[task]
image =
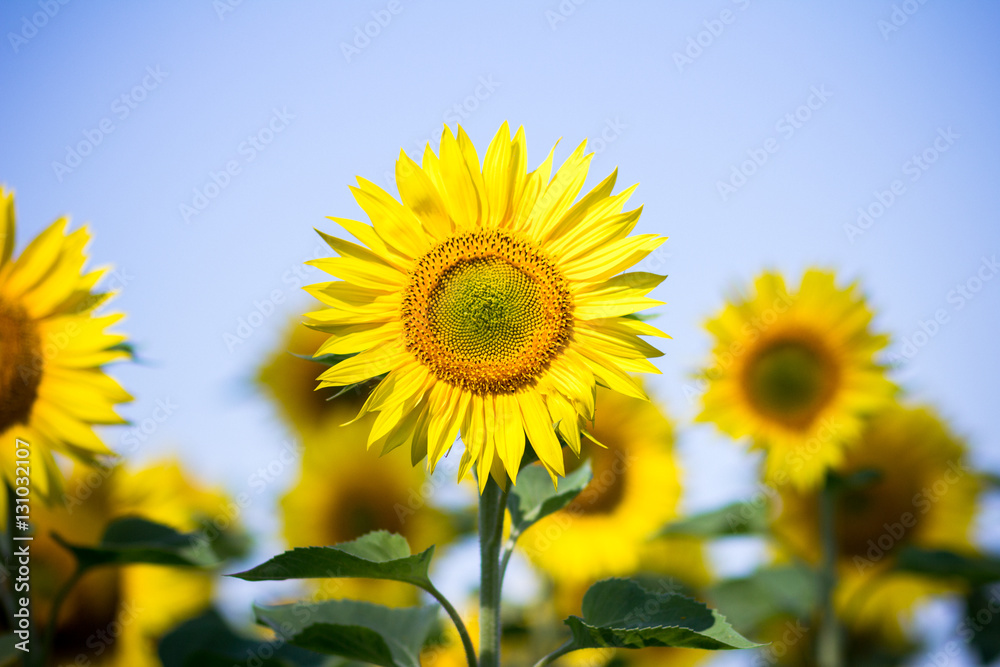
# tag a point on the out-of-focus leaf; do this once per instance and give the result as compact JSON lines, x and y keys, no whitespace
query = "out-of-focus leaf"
{"x":354,"y":630}
{"x":533,"y":497}
{"x":765,"y":594}
{"x":985,"y":639}
{"x":208,"y":641}
{"x":975,"y":569}
{"x":9,"y":654}
{"x":619,"y":613}
{"x":377,"y":555}
{"x":136,"y":540}
{"x":745,"y":518}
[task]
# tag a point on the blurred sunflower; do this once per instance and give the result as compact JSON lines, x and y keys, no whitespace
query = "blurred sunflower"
{"x":489,"y":300}
{"x":53,"y":389}
{"x":114,"y":616}
{"x":636,"y":489}
{"x":796,"y":372}
{"x":345,"y":491}
{"x":925,"y":496}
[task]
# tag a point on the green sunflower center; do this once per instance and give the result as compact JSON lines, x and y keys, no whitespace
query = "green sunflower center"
{"x":486,"y":311}
{"x":790,"y":381}
{"x":20,"y":360}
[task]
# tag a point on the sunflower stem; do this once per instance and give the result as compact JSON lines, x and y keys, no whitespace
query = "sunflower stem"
{"x":558,"y":653}
{"x":828,"y":645}
{"x":7,"y":589}
{"x":492,"y":505}
{"x":48,"y":639}
{"x":463,"y":632}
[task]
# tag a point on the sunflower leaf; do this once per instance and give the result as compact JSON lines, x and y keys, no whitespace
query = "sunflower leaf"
{"x":946,"y":564}
{"x":208,"y":641}
{"x":753,"y":600}
{"x":377,"y":555}
{"x":743,"y":518}
{"x":533,"y":498}
{"x":134,"y":539}
{"x":355,"y":630}
{"x":986,"y":637}
{"x":620,"y":613}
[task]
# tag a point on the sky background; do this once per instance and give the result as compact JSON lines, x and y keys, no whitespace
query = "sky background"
{"x":677,"y":97}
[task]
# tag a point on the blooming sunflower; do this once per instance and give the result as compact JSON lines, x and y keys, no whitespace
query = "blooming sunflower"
{"x":114,"y":616}
{"x":796,"y":372}
{"x":925,"y":497}
{"x":636,"y":489}
{"x":53,"y":389}
{"x":490,"y":302}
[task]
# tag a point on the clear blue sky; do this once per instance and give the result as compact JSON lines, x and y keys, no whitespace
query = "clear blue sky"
{"x":838,"y":97}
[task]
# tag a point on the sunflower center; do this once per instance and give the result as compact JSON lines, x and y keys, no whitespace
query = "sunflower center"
{"x":790,"y":381}
{"x":487,"y":312}
{"x":20,"y":356}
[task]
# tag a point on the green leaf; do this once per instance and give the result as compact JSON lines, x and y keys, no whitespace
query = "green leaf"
{"x":745,"y":518}
{"x":355,"y":630}
{"x":534,"y":498}
{"x":136,"y":540}
{"x":208,"y":641}
{"x":377,"y":555}
{"x":975,"y":569}
{"x":986,"y":638}
{"x":751,"y":601}
{"x":619,"y":613}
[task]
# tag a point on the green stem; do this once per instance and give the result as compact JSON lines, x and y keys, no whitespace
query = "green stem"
{"x":50,"y":628}
{"x":508,"y":551}
{"x":828,"y":647}
{"x":558,"y":653}
{"x":492,"y":505}
{"x":463,"y":632}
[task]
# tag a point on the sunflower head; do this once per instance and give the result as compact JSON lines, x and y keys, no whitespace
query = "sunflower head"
{"x":922,"y":495}
{"x":796,"y":372}
{"x":490,"y":301}
{"x":53,"y":347}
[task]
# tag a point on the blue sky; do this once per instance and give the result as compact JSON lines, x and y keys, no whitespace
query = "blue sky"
{"x":210,"y":137}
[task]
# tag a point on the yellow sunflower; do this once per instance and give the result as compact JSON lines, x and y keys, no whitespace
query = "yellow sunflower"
{"x":52,"y":349}
{"x":490,"y":301}
{"x":925,"y":497}
{"x":797,"y":373}
{"x":114,"y":616}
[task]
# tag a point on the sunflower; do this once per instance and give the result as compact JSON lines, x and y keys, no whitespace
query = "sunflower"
{"x":114,"y":616}
{"x":52,"y":349}
{"x":490,"y":302}
{"x":797,"y":373}
{"x":925,"y":496}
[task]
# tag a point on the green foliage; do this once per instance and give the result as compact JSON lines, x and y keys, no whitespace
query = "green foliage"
{"x":377,"y":555}
{"x":751,"y":601}
{"x":620,"y":613}
{"x":533,"y":497}
{"x":136,"y":540}
{"x":746,"y":518}
{"x":975,"y":569}
{"x":355,"y":630}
